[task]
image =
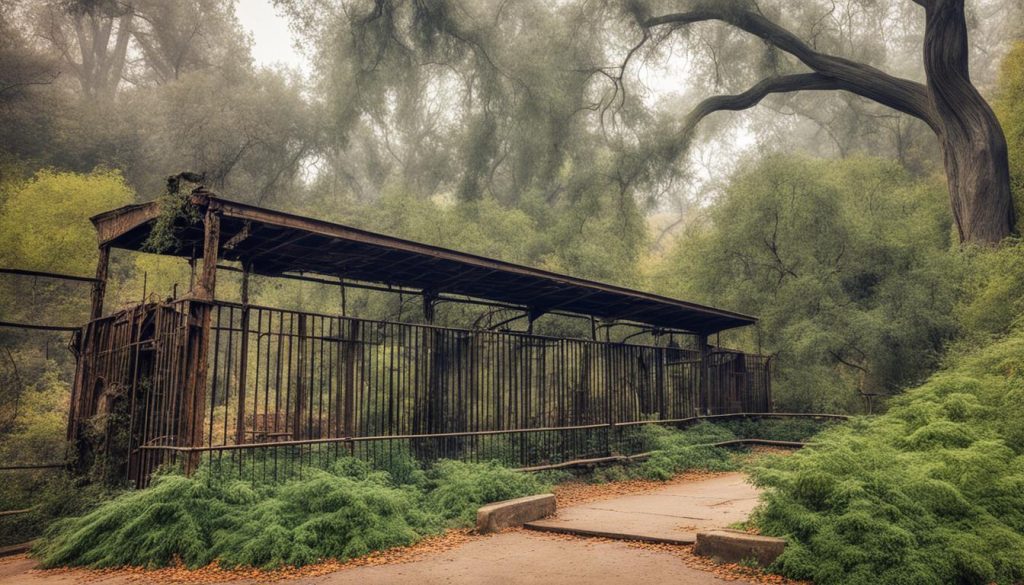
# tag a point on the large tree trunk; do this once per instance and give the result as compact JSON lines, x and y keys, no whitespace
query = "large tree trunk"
{"x":978,"y":177}
{"x":973,"y":144}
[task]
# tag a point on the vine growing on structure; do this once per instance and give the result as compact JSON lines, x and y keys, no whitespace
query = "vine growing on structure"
{"x":174,"y":211}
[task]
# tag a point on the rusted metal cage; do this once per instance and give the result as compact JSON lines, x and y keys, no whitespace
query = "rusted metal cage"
{"x":265,"y":392}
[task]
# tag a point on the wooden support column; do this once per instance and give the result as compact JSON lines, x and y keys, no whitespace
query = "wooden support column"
{"x":532,"y":315}
{"x":99,"y":287}
{"x":608,"y":388}
{"x":243,"y":361}
{"x":350,"y":348}
{"x":207,"y":285}
{"x":302,"y":363}
{"x":436,"y":364}
{"x":705,"y":375}
{"x":429,"y":301}
{"x":661,"y":358}
{"x":79,"y":394}
{"x":201,"y":309}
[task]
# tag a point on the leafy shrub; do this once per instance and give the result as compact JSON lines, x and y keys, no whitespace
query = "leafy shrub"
{"x":994,"y":299}
{"x":776,"y":429}
{"x":930,"y":492}
{"x":342,"y":512}
{"x":50,"y":494}
{"x":455,"y":489}
{"x":846,"y":263}
{"x":676,"y":451}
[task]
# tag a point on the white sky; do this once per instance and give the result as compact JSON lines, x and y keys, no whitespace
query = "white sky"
{"x":273,"y":42}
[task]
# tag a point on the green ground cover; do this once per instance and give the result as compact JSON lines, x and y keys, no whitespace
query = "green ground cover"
{"x":930,"y":492}
{"x":343,"y":511}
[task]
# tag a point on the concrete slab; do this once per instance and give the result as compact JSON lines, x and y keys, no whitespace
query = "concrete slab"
{"x":673,"y":514}
{"x":510,"y":513}
{"x":733,"y":546}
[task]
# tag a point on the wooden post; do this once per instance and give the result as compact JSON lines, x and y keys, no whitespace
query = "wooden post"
{"x":85,"y":342}
{"x":99,"y":287}
{"x":433,"y":351}
{"x":207,"y":285}
{"x":609,"y":401}
{"x":705,"y":373}
{"x":429,"y":298}
{"x":350,"y":348}
{"x":300,"y":380}
{"x":201,"y":309}
{"x":243,"y":363}
{"x":661,"y":356}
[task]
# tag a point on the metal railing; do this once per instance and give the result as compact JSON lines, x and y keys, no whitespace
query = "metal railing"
{"x":285,"y":390}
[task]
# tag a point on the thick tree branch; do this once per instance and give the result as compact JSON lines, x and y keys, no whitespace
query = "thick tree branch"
{"x":751,"y":97}
{"x":900,"y":94}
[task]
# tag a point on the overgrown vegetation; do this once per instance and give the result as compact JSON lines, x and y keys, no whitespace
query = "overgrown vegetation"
{"x":342,"y":512}
{"x":930,"y":492}
{"x":1009,"y":106}
{"x":848,"y":265}
{"x":47,"y":495}
{"x":674,"y":451}
{"x":777,"y":429}
{"x":345,"y":510}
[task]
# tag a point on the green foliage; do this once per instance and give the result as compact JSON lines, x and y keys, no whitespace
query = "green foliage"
{"x":930,"y":492}
{"x":675,"y":451}
{"x":33,"y":422}
{"x":993,"y":302}
{"x":455,"y":490}
{"x":174,"y":211}
{"x":776,"y":429}
{"x":341,"y":512}
{"x":1009,"y":107}
{"x":846,"y":263}
{"x":601,"y":237}
{"x":50,"y":494}
{"x":44,"y":225}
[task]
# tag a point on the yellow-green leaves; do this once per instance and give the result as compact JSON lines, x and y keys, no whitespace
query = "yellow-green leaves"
{"x":44,"y":224}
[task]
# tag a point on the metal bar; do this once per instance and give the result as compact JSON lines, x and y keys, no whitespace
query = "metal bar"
{"x":243,"y":359}
{"x":332,"y":385}
{"x":642,"y":456}
{"x":38,"y":327}
{"x":20,"y":272}
{"x":33,"y":466}
{"x":373,"y":438}
{"x":99,"y":285}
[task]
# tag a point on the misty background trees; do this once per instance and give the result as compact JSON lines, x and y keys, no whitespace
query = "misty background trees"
{"x":549,"y":134}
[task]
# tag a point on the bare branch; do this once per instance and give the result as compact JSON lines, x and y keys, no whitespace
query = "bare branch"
{"x":900,"y":94}
{"x":751,"y":97}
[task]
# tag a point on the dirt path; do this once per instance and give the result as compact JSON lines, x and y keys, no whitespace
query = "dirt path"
{"x":517,"y":556}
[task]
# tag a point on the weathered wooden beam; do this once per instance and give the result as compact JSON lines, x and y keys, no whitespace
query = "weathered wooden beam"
{"x":243,"y":361}
{"x":705,"y":374}
{"x":207,"y":286}
{"x":350,"y":349}
{"x":205,"y":292}
{"x":116,"y":223}
{"x":99,"y":285}
{"x":240,"y":237}
{"x":20,"y":272}
{"x":302,"y":359}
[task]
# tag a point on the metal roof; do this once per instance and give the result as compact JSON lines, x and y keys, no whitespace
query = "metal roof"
{"x":278,"y":243}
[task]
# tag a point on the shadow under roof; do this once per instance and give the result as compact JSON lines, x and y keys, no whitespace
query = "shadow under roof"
{"x":278,"y":243}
